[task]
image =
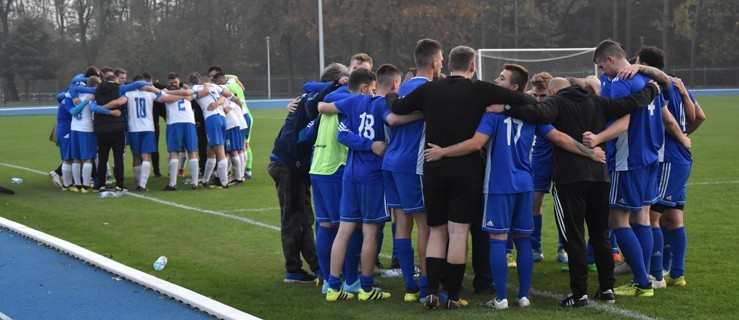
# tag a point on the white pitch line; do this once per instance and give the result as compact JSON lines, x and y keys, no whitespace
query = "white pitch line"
{"x":4,"y":317}
{"x":253,"y":209}
{"x":711,"y":182}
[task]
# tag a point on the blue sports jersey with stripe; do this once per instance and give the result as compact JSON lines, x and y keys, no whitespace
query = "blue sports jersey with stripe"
{"x":405,"y":150}
{"x":508,"y":168}
{"x":673,"y":151}
{"x":362,"y":125}
{"x":637,"y":147}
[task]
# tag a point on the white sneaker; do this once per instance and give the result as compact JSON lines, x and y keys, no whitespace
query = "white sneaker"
{"x":499,"y":305}
{"x":622,"y":268}
{"x":524,"y":302}
{"x":55,"y":179}
{"x":562,"y":256}
{"x":661,"y":284}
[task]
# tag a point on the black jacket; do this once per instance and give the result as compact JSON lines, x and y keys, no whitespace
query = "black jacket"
{"x":574,"y":111}
{"x":103,"y":124}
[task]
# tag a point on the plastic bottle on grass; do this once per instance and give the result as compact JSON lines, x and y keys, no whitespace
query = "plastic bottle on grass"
{"x":16,"y":180}
{"x":160,"y":263}
{"x":111,"y":194}
{"x":392,"y":273}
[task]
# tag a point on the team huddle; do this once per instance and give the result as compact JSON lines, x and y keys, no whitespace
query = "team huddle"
{"x":100,"y":112}
{"x":454,"y":156}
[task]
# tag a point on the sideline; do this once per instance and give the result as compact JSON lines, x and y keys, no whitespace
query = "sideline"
{"x":547,"y":294}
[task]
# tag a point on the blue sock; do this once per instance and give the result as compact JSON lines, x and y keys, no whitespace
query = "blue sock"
{"x":614,"y":242}
{"x":366,"y":282}
{"x":646,"y":241}
{"x":591,"y":254}
{"x":353,"y":253}
{"x":334,"y":283}
{"x":395,"y":251}
{"x":666,"y":252}
{"x":380,"y":238}
{"x":655,"y":265}
{"x":324,"y":241}
{"x":525,"y":268}
{"x":499,"y":266}
{"x":679,"y":244}
{"x":424,"y":284}
{"x":509,"y":244}
{"x":405,"y":258}
{"x":536,"y":236}
{"x":632,"y":253}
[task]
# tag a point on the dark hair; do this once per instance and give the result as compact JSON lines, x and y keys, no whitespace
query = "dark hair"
{"x":426,"y":50}
{"x":92,"y":71}
{"x":111,"y":78}
{"x":386,"y":73}
{"x":652,"y":56}
{"x":105,"y":69}
{"x":359,"y":77}
{"x":138,"y":77}
{"x":216,"y":68}
{"x":118,"y":71}
{"x":608,"y":48}
{"x":333,"y":72}
{"x":147,"y":76}
{"x":363,"y":57}
{"x":219,"y":75}
{"x":93,"y":81}
{"x":193,"y":78}
{"x":460,"y":58}
{"x":519,"y":75}
{"x":172,"y":75}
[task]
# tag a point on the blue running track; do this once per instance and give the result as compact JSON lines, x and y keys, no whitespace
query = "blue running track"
{"x":37,"y":282}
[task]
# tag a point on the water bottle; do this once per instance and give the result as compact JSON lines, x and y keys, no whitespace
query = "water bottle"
{"x":187,"y":181}
{"x":160,"y":263}
{"x":111,"y":194}
{"x":392,"y":273}
{"x":16,"y":180}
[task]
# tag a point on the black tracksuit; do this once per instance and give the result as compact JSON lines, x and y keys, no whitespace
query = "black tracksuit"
{"x":110,"y":132}
{"x":581,"y":186}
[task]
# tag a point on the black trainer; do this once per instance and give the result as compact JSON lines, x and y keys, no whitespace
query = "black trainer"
{"x":606,"y":296}
{"x":170,"y":188}
{"x":574,"y":302}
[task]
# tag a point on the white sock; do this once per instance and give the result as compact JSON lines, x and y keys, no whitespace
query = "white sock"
{"x":87,"y":174}
{"x":76,"y":167}
{"x":66,"y":174}
{"x":243,"y":161}
{"x":210,"y":164}
{"x":174,"y":164}
{"x":136,"y":175}
{"x":145,"y":170}
{"x":223,"y":171}
{"x":194,"y":171}
{"x":182,"y":158}
{"x":238,"y":172}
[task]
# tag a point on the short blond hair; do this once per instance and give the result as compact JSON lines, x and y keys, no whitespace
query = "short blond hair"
{"x":540,"y":81}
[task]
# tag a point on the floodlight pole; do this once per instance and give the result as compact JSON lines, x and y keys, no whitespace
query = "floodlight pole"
{"x":269,"y":72}
{"x":321,"y":61}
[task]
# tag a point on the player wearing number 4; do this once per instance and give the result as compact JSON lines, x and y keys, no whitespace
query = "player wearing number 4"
{"x":362,"y":198}
{"x":508,"y":191}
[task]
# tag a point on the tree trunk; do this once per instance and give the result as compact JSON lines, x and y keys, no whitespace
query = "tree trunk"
{"x":665,"y":27}
{"x":10,"y":90}
{"x":693,"y":40}
{"x":614,"y":36}
{"x":628,"y":45}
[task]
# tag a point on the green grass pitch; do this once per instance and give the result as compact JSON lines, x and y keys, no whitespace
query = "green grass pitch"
{"x":241,"y":264}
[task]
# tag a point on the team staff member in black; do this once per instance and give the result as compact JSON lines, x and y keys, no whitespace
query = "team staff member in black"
{"x":581,"y":186}
{"x":452,"y":187}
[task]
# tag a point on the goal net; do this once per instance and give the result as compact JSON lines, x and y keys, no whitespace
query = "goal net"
{"x":559,"y":62}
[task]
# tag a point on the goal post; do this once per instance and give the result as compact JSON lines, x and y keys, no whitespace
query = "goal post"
{"x":559,"y":62}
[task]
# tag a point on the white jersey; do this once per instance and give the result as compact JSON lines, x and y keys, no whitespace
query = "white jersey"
{"x":140,"y":110}
{"x":238,"y":116}
{"x":205,"y":101}
{"x":232,"y":119}
{"x":180,"y":112}
{"x":83,"y":121}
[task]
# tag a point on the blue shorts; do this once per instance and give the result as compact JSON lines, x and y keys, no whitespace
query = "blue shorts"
{"x":363,"y":203}
{"x":327,"y":197}
{"x":142,"y":142}
{"x":84,"y":145}
{"x":630,"y":190}
{"x":249,"y":120}
{"x":215,"y":130}
{"x":404,"y":191}
{"x":182,"y":135}
{"x":542,"y":171}
{"x":234,"y":140}
{"x":509,"y":212}
{"x":65,"y":146}
{"x":672,"y":183}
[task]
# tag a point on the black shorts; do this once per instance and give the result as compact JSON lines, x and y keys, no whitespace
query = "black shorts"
{"x":455,"y":199}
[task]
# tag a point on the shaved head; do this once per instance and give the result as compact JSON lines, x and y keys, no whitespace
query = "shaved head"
{"x":593,"y":84}
{"x":557,"y":84}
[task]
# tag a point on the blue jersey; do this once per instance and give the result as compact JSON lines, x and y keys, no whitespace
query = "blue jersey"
{"x":673,"y":151}
{"x":64,"y":118}
{"x":508,"y":168}
{"x":605,"y":85}
{"x":637,"y":147}
{"x":542,"y":149}
{"x":405,"y":150}
{"x":362,"y":125}
{"x":340,"y":93}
